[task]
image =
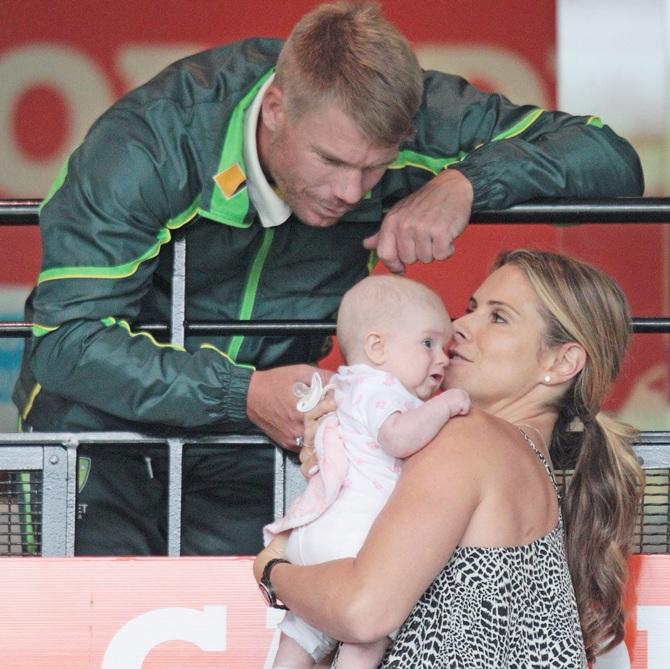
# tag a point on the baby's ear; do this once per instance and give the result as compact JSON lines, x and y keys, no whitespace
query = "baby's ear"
{"x":374,"y":348}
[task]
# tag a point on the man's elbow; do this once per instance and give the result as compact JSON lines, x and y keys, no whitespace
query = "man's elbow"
{"x":636,"y":180}
{"x":50,"y":369}
{"x":633,"y":180}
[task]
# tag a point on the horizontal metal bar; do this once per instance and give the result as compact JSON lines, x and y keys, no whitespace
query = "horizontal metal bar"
{"x":651,"y":325}
{"x":24,"y":456}
{"x":19,"y":212}
{"x":654,"y":455}
{"x":23,"y":329}
{"x":9,"y":329}
{"x":69,"y":439}
{"x":274,"y":327}
{"x":610,"y":210}
{"x":15,"y":329}
{"x":654,"y":438}
{"x":78,"y":438}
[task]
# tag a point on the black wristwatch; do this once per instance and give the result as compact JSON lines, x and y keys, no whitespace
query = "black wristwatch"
{"x":266,"y":587}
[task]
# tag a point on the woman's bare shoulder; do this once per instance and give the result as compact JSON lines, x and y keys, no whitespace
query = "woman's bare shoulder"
{"x":465,"y":440}
{"x":475,"y":430}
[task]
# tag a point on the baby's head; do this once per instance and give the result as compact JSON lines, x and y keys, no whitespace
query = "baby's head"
{"x":397,"y":325}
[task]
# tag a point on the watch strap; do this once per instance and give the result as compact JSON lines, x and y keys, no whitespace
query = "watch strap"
{"x":266,"y":585}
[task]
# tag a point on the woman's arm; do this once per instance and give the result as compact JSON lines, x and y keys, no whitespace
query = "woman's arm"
{"x":365,"y":598}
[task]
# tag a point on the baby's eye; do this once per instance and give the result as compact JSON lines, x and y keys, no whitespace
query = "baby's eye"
{"x":428,"y":343}
{"x":497,"y":317}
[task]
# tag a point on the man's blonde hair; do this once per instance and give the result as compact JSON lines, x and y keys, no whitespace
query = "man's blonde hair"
{"x":347,"y":54}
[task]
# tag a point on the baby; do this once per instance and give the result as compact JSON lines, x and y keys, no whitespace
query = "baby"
{"x":392,"y":332}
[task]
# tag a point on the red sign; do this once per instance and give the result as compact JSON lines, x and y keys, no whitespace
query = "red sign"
{"x":151,"y":613}
{"x":648,"y":607}
{"x":171,"y":613}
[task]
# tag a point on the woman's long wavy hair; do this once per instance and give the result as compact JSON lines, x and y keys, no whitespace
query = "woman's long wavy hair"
{"x":579,"y":303}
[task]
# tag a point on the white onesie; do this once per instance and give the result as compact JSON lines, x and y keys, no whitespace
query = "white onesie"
{"x":365,"y":398}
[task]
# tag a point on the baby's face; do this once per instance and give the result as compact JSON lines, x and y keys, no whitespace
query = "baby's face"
{"x":416,"y":350}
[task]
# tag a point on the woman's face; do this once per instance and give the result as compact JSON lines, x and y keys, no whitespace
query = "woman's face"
{"x":497,"y":353}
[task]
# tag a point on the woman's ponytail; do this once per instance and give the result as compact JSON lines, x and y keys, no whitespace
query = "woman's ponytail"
{"x":599,"y":511}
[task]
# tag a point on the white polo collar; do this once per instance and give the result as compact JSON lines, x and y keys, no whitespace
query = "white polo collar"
{"x":271,"y":208}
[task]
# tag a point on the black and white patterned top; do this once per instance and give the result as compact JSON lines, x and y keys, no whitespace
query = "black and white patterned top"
{"x":496,"y":608}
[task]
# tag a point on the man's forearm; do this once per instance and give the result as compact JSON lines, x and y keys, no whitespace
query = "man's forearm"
{"x":577,"y":160}
{"x":132,"y":377}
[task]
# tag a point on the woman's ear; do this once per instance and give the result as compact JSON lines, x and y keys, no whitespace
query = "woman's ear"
{"x":374,"y":348}
{"x":568,"y":360}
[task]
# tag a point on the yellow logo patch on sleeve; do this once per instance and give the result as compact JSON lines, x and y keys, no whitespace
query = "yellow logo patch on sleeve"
{"x":231,"y":180}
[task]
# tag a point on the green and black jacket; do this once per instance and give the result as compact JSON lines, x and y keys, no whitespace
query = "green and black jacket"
{"x":146,"y":169}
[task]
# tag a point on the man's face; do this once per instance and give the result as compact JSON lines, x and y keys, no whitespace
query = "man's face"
{"x":322,"y":163}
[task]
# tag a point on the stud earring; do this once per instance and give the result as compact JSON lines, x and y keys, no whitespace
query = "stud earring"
{"x":547,"y":379}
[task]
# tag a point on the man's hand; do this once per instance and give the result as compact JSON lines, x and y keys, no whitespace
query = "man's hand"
{"x":271,"y":403}
{"x":424,"y":225}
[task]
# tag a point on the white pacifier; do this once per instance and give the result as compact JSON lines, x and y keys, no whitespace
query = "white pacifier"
{"x":309,"y":395}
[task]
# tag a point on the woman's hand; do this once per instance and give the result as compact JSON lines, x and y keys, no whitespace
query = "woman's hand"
{"x":308,"y":463}
{"x":275,"y":549}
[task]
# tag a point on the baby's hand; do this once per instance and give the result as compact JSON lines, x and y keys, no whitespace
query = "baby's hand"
{"x":457,"y":400}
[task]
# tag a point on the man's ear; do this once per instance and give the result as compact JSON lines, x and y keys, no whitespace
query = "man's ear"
{"x":568,"y":360}
{"x":374,"y":348}
{"x":273,"y":108}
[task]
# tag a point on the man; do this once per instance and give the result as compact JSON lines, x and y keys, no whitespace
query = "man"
{"x":279,"y":180}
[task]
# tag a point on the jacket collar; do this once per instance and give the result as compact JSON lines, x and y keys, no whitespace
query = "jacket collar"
{"x":230,"y":202}
{"x":272,"y":210}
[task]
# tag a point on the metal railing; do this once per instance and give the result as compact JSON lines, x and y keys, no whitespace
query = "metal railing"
{"x":43,"y":465}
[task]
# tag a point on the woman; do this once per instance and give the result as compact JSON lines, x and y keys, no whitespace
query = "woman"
{"x":473,"y":530}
